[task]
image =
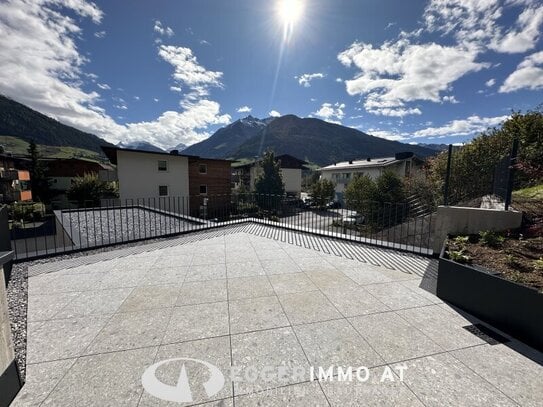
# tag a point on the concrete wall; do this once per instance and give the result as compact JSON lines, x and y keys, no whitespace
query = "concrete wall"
{"x":465,"y":221}
{"x":139,"y":176}
{"x":292,"y":178}
{"x":6,"y":345}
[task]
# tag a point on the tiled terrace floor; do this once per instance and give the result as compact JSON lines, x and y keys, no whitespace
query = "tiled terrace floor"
{"x":248,"y":301}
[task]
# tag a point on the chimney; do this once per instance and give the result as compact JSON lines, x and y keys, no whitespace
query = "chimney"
{"x":350,"y":161}
{"x":174,"y":152}
{"x":368,"y":159}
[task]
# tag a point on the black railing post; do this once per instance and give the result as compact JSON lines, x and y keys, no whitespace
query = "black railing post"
{"x":511,"y":173}
{"x":447,"y":177}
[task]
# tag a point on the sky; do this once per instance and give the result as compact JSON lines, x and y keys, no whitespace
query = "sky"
{"x":169,"y":72}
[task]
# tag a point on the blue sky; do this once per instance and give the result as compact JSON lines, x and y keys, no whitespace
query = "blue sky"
{"x":436,"y":71}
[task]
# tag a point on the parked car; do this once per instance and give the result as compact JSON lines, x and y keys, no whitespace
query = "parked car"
{"x":333,"y":205}
{"x":353,"y":219}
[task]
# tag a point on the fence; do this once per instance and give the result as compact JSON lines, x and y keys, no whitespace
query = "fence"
{"x":79,"y":227}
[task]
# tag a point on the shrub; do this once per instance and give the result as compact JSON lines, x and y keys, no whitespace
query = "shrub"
{"x":491,"y":239}
{"x":458,"y":256}
{"x":322,"y":192}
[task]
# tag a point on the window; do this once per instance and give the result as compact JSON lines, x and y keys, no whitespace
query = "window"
{"x":163,"y":190}
{"x":203,"y":189}
{"x":162,"y":165}
{"x":202,"y":168}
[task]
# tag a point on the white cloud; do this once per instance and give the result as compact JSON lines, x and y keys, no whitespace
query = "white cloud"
{"x":41,"y":66}
{"x":339,"y":80}
{"x":463,"y":127}
{"x":121,"y":106}
{"x":103,"y":86}
{"x":244,"y":109}
{"x":100,"y":34}
{"x":162,"y":29}
{"x":450,"y":99}
{"x":392,"y":74}
{"x":333,"y":113}
{"x":386,"y":134}
{"x":491,"y":82}
{"x":305,"y":79}
{"x":528,"y":75}
{"x":156,"y":100}
{"x":274,"y":113}
{"x":524,"y":36}
{"x":175,"y":89}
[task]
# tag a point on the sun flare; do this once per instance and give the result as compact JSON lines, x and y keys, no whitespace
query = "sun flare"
{"x":290,"y":11}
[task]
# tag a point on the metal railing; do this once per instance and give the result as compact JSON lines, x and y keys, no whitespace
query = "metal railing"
{"x":71,"y":227}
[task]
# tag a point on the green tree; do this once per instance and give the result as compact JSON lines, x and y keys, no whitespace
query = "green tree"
{"x":88,"y":190}
{"x":359,"y":192}
{"x":390,"y":188}
{"x":39,"y":183}
{"x":269,"y":185}
{"x":322,"y":192}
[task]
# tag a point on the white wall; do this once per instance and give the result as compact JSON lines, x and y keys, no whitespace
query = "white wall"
{"x":139,"y":176}
{"x":292,"y":178}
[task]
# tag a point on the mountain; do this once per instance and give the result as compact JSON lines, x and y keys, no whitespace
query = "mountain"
{"x":140,"y":145}
{"x":20,"y":121}
{"x":227,"y":140}
{"x":180,"y":147}
{"x":436,"y":147}
{"x":309,"y":139}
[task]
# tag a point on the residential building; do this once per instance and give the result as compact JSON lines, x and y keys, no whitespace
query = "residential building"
{"x":402,"y":164}
{"x":14,"y":179}
{"x":291,"y":172}
{"x":166,"y":180}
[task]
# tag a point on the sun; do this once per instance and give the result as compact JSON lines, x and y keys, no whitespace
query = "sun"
{"x":290,"y":11}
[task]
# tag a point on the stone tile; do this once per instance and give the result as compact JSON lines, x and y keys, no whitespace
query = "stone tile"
{"x":330,"y":279}
{"x":249,"y":287}
{"x":43,"y":284}
{"x":46,"y":306}
{"x":244,"y":255}
{"x":511,"y":372}
{"x":131,"y":330}
{"x":396,"y":296}
{"x":415,"y":286}
{"x":336,"y":343}
{"x":60,"y":283}
{"x":206,"y":272}
{"x":164,"y":276}
{"x":398,"y":275}
{"x":203,"y":259}
{"x":291,"y":283}
{"x":443,"y":327}
{"x":295,"y":395}
{"x":62,"y":338}
{"x":353,"y":301}
{"x":175,"y":261}
{"x":197,"y":322}
{"x":372,"y":392}
{"x":275,"y":348}
{"x":280,"y":267}
{"x":245,"y":269}
{"x":393,"y":338}
{"x":213,"y":350}
{"x":311,"y":306}
{"x":101,"y":302}
{"x":271,"y":254}
{"x":122,"y":278}
{"x":41,"y":379}
{"x":148,"y":297}
{"x":109,"y":379}
{"x":365,"y":276}
{"x":199,"y":292}
{"x":256,"y":313}
{"x":442,"y":380}
{"x":314,"y":263}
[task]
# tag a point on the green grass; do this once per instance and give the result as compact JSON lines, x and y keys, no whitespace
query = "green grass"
{"x":535,"y":192}
{"x":18,"y":146}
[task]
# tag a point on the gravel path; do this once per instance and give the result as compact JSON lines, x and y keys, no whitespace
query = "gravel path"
{"x":17,"y":307}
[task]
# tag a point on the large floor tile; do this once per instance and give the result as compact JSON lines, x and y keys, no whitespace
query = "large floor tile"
{"x":366,"y":275}
{"x":415,"y":285}
{"x":197,"y":322}
{"x":336,"y":343}
{"x":124,"y":278}
{"x":275,"y":351}
{"x":101,"y":302}
{"x":41,"y":379}
{"x":393,"y":338}
{"x":109,"y":379}
{"x":295,"y":395}
{"x":215,"y":351}
{"x":442,"y":380}
{"x":281,"y":266}
{"x":199,"y":292}
{"x":352,"y":301}
{"x":129,"y":330}
{"x":443,"y":327}
{"x":244,"y":269}
{"x":291,"y":283}
{"x":46,"y":306}
{"x":514,"y":374}
{"x":62,"y":338}
{"x":149,"y":297}
{"x":373,"y":392}
{"x":314,"y":263}
{"x":307,"y":307}
{"x":164,"y":276}
{"x":256,"y":313}
{"x":330,"y":279}
{"x":396,"y":296}
{"x":249,"y":287}
{"x":206,"y":272}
